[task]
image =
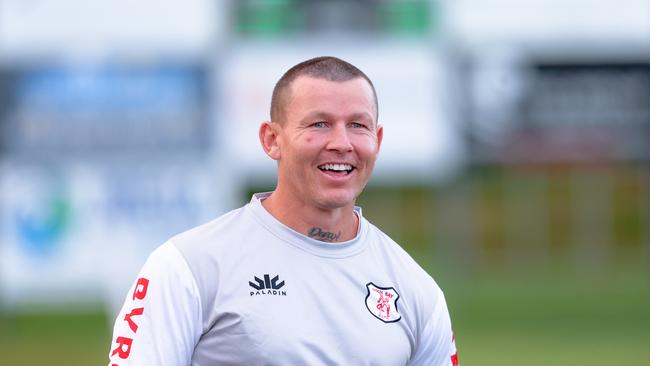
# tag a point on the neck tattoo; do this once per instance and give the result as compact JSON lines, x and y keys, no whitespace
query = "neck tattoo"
{"x":322,"y":235}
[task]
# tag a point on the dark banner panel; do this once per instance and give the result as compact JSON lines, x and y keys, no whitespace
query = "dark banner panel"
{"x":565,"y":112}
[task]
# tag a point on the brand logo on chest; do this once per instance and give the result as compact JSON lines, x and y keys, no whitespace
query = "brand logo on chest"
{"x":267,"y":286}
{"x":382,"y":303}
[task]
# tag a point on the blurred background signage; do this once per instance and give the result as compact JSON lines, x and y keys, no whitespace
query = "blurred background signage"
{"x":103,"y":109}
{"x":562,"y":111}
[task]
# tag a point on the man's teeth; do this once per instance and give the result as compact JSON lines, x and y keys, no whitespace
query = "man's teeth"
{"x":337,"y":167}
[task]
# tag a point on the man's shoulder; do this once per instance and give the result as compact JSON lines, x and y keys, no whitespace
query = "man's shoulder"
{"x":213,"y":233}
{"x":403,"y":263}
{"x":390,"y":246}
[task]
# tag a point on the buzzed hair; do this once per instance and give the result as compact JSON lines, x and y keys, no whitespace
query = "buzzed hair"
{"x":324,"y":67}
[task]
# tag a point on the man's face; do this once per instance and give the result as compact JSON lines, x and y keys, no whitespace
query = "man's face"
{"x":328,"y":141}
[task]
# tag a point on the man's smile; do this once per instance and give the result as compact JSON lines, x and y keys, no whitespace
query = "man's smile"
{"x":337,"y":169}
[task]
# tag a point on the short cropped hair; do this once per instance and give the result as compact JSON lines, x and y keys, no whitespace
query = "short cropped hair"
{"x":324,"y":67}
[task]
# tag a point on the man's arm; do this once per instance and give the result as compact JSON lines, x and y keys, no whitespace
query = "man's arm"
{"x":161,"y":320}
{"x":436,"y":345}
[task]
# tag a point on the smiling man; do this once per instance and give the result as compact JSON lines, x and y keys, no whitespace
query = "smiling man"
{"x":297,"y":276}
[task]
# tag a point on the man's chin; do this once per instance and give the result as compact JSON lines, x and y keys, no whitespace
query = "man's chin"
{"x":336,"y":201}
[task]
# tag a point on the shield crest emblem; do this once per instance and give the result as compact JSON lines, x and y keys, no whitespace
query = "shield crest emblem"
{"x":382,"y":303}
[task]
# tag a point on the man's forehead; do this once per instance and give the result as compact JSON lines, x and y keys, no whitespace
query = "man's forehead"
{"x":313,"y":81}
{"x":309,"y":84}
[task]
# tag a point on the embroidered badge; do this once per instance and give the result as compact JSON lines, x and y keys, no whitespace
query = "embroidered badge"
{"x":382,"y":303}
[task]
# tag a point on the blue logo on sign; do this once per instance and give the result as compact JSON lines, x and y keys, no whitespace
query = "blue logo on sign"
{"x":41,"y":228}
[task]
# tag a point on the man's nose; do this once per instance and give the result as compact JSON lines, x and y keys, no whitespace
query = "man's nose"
{"x":340,"y":139}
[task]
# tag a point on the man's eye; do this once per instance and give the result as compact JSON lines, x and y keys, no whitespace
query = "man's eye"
{"x":319,"y":124}
{"x":356,"y":125}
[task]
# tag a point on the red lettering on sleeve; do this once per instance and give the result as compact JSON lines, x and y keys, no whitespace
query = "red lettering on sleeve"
{"x":141,"y":288}
{"x":121,"y":351}
{"x":454,"y":357}
{"x":127,"y":317}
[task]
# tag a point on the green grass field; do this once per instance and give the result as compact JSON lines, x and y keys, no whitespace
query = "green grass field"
{"x":527,"y":319}
{"x":596,"y":319}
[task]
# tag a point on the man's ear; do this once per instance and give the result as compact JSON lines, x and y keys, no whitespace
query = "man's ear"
{"x":269,"y":136}
{"x":380,"y":136}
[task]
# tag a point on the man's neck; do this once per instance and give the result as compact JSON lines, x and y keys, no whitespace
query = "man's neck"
{"x":327,"y":225}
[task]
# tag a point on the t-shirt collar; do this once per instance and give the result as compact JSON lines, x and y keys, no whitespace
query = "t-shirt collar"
{"x":282,"y":231}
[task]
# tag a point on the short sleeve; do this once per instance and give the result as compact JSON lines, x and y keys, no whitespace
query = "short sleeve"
{"x":160,"y":321}
{"x":436,"y":345}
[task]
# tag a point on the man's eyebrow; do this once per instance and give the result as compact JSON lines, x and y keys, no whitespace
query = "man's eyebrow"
{"x":310,"y":117}
{"x":363,"y":116}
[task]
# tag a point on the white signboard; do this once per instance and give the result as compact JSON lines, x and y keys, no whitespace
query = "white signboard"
{"x":90,"y":27}
{"x":80,"y":233}
{"x":420,"y":141}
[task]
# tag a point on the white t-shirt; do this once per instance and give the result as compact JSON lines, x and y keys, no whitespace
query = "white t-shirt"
{"x":244,"y":289}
